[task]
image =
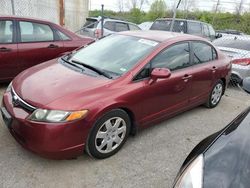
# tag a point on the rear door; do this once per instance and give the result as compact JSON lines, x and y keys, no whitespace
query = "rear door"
{"x":204,"y":70}
{"x":36,"y":43}
{"x":8,"y":50}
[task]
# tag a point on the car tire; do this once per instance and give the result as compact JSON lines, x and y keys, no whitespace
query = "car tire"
{"x":108,"y":134}
{"x":215,"y":95}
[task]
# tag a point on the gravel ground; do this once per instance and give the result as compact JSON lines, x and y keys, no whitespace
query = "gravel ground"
{"x":150,"y":159}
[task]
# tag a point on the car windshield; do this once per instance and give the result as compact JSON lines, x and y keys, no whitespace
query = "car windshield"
{"x":233,"y":43}
{"x":115,"y":54}
{"x":164,"y":25}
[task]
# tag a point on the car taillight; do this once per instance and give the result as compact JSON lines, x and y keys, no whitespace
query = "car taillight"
{"x":98,"y":33}
{"x":243,"y":62}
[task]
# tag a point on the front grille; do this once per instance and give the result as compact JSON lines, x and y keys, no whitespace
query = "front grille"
{"x":18,"y":102}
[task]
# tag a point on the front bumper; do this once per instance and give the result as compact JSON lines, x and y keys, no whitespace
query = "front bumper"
{"x":55,"y":141}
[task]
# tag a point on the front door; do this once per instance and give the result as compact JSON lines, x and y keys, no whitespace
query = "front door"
{"x":168,"y":96}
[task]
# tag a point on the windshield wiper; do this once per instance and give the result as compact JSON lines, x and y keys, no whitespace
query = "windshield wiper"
{"x":99,"y":71}
{"x":73,"y":64}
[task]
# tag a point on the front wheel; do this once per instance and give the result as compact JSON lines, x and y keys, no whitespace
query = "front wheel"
{"x":215,"y":95}
{"x":108,"y":134}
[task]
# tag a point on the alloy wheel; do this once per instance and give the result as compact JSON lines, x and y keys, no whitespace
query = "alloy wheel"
{"x":216,"y":94}
{"x":110,"y":135}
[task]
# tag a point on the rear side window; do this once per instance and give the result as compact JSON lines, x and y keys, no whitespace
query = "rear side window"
{"x":194,"y":28}
{"x":173,"y":58}
{"x":133,"y":27}
{"x":6,"y":32}
{"x":164,"y":25}
{"x":203,"y":52}
{"x":35,"y":32}
{"x":62,"y":35}
{"x":121,"y":27}
{"x":109,"y":25}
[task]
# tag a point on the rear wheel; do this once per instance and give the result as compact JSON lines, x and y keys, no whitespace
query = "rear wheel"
{"x":108,"y":134}
{"x":215,"y":95}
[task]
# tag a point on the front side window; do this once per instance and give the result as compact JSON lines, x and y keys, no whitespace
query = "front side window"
{"x":173,"y":58}
{"x":6,"y":31}
{"x":35,"y":32}
{"x":115,"y":54}
{"x":206,"y":31}
{"x":194,"y":28}
{"x":211,"y":30}
{"x":203,"y":52}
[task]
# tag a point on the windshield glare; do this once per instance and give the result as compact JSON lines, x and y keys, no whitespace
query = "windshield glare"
{"x":115,"y":54}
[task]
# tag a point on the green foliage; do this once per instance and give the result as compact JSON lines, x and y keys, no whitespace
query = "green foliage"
{"x":159,"y":9}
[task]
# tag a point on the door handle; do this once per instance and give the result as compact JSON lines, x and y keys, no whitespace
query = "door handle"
{"x":186,"y":77}
{"x":3,"y":49}
{"x":53,"y":46}
{"x":213,"y":69}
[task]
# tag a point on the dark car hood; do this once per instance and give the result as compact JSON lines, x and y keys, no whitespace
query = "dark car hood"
{"x":49,"y":82}
{"x":227,"y":161}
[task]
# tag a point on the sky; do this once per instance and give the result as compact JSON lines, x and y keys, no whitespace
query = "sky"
{"x":225,"y":5}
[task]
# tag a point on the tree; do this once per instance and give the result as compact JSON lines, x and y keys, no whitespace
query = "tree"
{"x":136,"y":4}
{"x":120,"y":5}
{"x":157,"y":9}
{"x":188,"y":5}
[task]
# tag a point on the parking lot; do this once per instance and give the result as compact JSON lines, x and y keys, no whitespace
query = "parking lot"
{"x":150,"y":159}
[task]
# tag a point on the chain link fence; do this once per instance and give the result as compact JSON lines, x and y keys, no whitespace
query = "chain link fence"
{"x":75,"y":11}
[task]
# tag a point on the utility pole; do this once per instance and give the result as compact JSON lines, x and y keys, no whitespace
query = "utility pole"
{"x":13,"y":7}
{"x":216,"y":9}
{"x":173,"y":20}
{"x":61,"y":12}
{"x":102,"y":20}
{"x":240,"y":9}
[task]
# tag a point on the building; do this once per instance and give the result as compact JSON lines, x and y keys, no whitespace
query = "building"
{"x":70,"y":13}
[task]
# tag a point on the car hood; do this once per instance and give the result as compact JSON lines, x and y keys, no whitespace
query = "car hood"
{"x":51,"y":83}
{"x":227,"y":161}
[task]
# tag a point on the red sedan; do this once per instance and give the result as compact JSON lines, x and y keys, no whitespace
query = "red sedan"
{"x":26,"y":42}
{"x":95,"y":97}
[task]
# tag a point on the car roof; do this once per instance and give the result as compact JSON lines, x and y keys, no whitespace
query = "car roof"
{"x":25,"y":18}
{"x":179,"y":19}
{"x":109,"y":19}
{"x":160,"y":36}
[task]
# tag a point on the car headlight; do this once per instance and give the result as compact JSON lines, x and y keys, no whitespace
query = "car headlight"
{"x":192,"y":177}
{"x":9,"y":87}
{"x":55,"y":116}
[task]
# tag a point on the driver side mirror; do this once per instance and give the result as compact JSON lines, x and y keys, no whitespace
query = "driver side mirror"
{"x":159,"y":73}
{"x":246,"y":84}
{"x":218,"y":35}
